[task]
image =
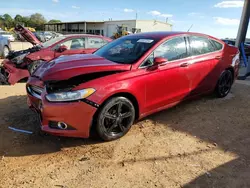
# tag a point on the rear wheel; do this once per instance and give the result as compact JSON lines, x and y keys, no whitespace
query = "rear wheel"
{"x":6,"y":51}
{"x":115,"y":118}
{"x":224,"y":84}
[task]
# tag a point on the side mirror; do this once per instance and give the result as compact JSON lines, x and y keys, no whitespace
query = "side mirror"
{"x":62,"y":48}
{"x":159,"y":60}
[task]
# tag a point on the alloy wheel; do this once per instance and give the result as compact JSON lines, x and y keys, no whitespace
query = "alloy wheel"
{"x":117,"y":119}
{"x":225,"y":83}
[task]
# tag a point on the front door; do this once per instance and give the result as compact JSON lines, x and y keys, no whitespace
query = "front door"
{"x":74,"y":46}
{"x":168,"y":83}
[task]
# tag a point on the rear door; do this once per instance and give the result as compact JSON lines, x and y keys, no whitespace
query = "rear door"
{"x":200,"y":66}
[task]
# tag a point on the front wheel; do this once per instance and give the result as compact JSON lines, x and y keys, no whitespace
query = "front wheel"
{"x":115,"y":118}
{"x":224,"y":84}
{"x":33,"y":66}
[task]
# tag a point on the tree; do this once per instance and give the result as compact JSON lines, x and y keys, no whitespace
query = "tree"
{"x":54,"y":21}
{"x":37,"y":21}
{"x":18,"y":19}
{"x":8,"y":21}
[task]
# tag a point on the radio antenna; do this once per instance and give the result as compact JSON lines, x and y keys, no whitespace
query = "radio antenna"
{"x":190,"y":28}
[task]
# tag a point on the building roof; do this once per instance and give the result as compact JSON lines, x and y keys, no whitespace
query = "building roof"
{"x":96,"y":22}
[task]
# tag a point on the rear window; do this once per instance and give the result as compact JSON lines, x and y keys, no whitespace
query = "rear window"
{"x":217,"y":45}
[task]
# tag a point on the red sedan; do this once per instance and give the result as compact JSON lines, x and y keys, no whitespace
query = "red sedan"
{"x":128,"y":79}
{"x":21,"y":64}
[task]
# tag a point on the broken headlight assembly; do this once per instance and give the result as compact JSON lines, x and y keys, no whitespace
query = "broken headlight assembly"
{"x":70,"y":95}
{"x":19,"y":59}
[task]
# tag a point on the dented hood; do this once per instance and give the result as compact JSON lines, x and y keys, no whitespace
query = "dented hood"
{"x":65,"y":67}
{"x":27,"y":34}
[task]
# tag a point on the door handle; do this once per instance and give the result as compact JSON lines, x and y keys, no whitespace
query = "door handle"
{"x":218,"y":57}
{"x":184,"y":64}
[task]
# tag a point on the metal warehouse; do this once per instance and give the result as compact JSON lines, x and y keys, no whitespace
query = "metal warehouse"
{"x":108,"y":28}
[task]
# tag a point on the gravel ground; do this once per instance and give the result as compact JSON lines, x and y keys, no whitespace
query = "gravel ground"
{"x":200,"y":143}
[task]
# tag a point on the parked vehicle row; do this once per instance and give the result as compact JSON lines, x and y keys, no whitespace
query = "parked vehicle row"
{"x":8,"y":35}
{"x":128,"y":79}
{"x":44,"y":36}
{"x":19,"y":65}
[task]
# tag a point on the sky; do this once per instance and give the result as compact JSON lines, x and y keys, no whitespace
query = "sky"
{"x":214,"y":17}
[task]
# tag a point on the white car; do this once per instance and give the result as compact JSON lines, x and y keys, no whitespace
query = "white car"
{"x":7,"y":35}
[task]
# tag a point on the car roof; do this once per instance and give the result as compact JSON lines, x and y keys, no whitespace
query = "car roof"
{"x":82,"y":35}
{"x":163,"y":34}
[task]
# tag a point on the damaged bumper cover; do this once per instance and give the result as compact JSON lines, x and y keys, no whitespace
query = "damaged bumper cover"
{"x":10,"y":74}
{"x":52,"y":113}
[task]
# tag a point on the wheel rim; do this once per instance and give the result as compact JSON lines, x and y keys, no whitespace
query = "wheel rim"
{"x":5,"y":51}
{"x":225,"y":83}
{"x":34,"y":68}
{"x":117,"y":119}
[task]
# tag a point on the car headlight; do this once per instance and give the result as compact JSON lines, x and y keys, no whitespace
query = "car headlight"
{"x":70,"y":96}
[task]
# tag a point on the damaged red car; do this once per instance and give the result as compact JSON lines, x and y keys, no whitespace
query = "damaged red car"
{"x":20,"y":64}
{"x":128,"y":79}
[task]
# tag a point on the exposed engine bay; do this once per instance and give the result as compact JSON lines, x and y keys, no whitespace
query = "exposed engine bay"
{"x":17,"y":57}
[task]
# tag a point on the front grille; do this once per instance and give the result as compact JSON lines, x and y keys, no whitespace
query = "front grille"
{"x":35,"y":91}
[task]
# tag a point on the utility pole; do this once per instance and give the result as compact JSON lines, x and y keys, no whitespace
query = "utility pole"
{"x":242,"y":31}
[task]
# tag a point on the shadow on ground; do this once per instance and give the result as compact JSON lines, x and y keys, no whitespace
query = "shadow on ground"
{"x":15,"y":113}
{"x":224,"y":122}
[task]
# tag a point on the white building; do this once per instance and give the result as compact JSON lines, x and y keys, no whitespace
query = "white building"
{"x":108,"y":28}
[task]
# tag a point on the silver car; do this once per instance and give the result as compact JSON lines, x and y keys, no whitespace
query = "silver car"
{"x":4,"y":46}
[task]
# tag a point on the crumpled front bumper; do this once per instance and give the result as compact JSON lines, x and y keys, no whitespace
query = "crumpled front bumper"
{"x":77,"y":115}
{"x":11,"y":74}
{"x":3,"y":76}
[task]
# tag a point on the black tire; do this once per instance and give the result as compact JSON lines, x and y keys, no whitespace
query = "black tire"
{"x":224,"y":84}
{"x":115,"y":118}
{"x":6,"y":51}
{"x":33,"y":66}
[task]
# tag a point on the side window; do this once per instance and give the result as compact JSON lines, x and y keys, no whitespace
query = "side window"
{"x":74,"y":44}
{"x":173,"y":49}
{"x":200,"y":45}
{"x":96,"y":42}
{"x":217,"y":45}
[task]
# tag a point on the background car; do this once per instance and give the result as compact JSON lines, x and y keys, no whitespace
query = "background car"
{"x":20,"y":67}
{"x":4,"y":46}
{"x":128,"y":79}
{"x":246,"y":45}
{"x":8,"y":35}
{"x":44,"y":36}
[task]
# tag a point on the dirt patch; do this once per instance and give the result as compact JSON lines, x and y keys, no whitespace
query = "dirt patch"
{"x":201,"y":143}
